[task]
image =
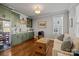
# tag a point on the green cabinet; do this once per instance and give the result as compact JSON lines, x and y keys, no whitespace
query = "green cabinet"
{"x":27,"y":35}
{"x":31,"y":35}
{"x":29,"y":25}
{"x":19,"y":38}
{"x":23,"y":37}
{"x":14,"y":39}
{"x":8,"y":14}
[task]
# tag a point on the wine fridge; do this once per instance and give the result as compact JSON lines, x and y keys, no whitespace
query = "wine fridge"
{"x":5,"y":34}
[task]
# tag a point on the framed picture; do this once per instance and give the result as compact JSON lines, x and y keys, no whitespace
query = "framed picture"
{"x":42,"y":24}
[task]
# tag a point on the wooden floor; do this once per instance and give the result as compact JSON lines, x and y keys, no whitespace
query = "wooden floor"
{"x":24,"y":49}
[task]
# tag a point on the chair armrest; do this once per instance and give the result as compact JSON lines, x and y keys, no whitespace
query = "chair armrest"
{"x":63,"y":53}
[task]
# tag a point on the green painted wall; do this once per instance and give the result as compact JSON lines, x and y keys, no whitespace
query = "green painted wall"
{"x":14,"y":18}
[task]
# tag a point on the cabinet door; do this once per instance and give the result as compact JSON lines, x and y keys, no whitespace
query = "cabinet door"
{"x":24,"y":36}
{"x":19,"y":38}
{"x":27,"y":35}
{"x":14,"y":39}
{"x":31,"y":34}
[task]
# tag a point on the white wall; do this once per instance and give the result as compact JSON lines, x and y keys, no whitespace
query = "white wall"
{"x":72,"y":13}
{"x":66,"y":22}
{"x":49,"y":30}
{"x":77,"y":22}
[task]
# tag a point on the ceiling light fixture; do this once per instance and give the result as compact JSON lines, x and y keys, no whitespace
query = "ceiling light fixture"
{"x":37,"y":9}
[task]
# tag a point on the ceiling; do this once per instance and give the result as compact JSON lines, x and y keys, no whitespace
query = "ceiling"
{"x":28,"y":8}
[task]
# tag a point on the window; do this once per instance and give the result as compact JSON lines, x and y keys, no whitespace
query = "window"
{"x":58,"y":25}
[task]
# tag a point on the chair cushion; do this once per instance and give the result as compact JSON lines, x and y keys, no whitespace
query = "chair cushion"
{"x":61,"y":37}
{"x":67,"y":46}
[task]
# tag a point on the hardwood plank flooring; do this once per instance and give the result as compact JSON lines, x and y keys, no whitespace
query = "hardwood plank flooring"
{"x":26,"y":48}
